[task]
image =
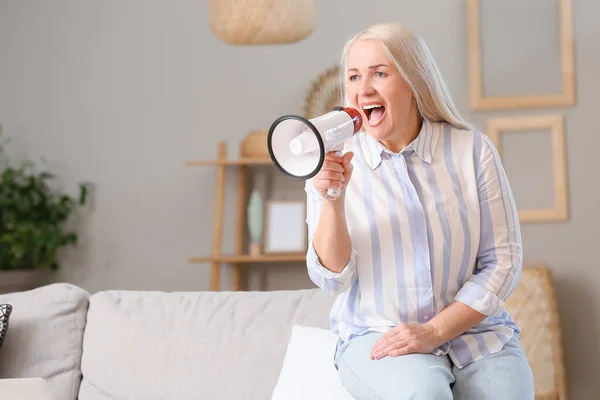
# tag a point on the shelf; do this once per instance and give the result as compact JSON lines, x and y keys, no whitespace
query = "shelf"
{"x":245,"y":258}
{"x":252,"y":152}
{"x":239,"y":161}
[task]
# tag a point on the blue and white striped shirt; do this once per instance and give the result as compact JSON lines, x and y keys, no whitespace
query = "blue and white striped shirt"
{"x":434,"y":223}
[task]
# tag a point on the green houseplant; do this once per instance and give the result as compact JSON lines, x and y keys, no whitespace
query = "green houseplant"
{"x":32,"y":216}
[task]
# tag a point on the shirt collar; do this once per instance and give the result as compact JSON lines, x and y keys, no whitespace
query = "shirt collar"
{"x":424,"y":145}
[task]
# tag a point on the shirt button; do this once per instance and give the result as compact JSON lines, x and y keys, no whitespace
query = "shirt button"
{"x":426,"y":316}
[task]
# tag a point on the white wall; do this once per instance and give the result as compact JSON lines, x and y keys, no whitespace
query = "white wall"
{"x":121,"y":93}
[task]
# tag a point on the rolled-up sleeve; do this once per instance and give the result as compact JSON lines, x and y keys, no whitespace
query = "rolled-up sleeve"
{"x":500,"y":252}
{"x":334,"y":283}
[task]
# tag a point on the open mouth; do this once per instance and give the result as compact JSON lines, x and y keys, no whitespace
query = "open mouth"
{"x":374,"y":113}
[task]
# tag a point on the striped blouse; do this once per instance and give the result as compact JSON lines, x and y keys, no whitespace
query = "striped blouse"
{"x":432,"y":224}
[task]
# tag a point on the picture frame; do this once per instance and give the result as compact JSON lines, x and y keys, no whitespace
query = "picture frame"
{"x":285,"y":227}
{"x":555,"y":124}
{"x":480,"y":102}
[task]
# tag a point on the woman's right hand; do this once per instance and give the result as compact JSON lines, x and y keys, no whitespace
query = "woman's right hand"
{"x":335,"y":173}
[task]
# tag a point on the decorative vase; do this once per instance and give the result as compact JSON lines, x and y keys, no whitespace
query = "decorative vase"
{"x":255,"y":222}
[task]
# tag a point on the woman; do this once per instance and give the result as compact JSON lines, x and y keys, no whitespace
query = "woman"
{"x":424,"y":245}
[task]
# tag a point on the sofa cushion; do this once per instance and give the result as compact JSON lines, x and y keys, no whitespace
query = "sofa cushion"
{"x":5,"y":310}
{"x":200,"y":345}
{"x":46,"y":330}
{"x":308,"y":371}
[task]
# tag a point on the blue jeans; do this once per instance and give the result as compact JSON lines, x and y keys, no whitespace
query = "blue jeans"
{"x":505,"y":375}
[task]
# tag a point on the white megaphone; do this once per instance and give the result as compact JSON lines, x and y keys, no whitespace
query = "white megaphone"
{"x":298,"y":146}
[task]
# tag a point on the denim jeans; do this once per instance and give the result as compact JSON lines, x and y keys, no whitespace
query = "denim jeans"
{"x":505,"y":375}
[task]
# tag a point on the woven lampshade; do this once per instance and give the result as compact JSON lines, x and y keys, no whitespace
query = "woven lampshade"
{"x":255,"y":22}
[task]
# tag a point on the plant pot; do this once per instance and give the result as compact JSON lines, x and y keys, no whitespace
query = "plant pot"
{"x":21,"y":280}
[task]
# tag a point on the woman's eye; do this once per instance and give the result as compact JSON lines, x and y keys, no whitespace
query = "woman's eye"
{"x":352,"y":77}
{"x":379,"y":74}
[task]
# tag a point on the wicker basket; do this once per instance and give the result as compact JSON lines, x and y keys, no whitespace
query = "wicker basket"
{"x":533,"y":305}
{"x":254,"y":22}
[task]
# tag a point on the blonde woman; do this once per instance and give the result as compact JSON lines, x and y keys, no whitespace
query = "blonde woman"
{"x":423,"y":246}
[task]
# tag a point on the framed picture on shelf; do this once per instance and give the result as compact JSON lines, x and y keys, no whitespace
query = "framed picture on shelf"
{"x":285,"y":227}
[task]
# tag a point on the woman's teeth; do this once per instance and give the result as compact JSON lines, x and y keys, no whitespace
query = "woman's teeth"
{"x":369,"y":109}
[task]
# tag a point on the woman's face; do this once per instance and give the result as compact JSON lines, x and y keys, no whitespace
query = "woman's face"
{"x":375,"y":87}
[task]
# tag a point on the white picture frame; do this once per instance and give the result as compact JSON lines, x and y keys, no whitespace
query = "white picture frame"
{"x":285,"y":227}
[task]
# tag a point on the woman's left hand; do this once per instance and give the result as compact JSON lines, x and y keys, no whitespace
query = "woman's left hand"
{"x":406,"y":339}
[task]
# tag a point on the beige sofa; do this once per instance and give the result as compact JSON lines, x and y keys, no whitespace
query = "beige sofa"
{"x":125,"y":345}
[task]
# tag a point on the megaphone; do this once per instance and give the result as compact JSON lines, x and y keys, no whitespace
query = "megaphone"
{"x":298,"y":145}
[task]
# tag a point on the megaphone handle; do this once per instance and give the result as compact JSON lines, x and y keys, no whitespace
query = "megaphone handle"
{"x":334,"y":193}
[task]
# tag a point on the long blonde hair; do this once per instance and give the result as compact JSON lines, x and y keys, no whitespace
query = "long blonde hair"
{"x":417,"y":66}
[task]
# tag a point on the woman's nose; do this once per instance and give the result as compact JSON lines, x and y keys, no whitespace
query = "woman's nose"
{"x":366,"y":88}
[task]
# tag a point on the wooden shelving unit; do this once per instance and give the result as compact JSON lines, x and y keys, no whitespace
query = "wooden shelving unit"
{"x":246,"y":258}
{"x":253,"y":144}
{"x":239,"y":161}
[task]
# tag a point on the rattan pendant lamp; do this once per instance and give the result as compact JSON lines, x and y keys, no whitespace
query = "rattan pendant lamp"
{"x":262,"y":22}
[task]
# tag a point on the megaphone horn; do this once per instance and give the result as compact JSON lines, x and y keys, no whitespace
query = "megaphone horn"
{"x":297,"y":145}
